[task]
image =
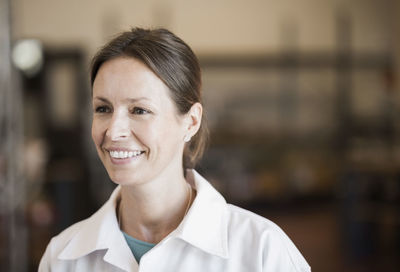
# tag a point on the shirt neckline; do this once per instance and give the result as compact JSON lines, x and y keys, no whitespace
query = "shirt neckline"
{"x":137,"y":241}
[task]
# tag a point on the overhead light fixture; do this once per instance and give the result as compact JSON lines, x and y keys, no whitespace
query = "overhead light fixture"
{"x":27,"y":56}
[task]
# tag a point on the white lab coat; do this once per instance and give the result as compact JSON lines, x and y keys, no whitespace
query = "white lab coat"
{"x":213,"y":236}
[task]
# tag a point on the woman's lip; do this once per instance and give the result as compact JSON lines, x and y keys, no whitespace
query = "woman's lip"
{"x":108,"y":149}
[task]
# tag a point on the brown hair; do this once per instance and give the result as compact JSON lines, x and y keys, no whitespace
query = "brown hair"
{"x":172,"y":60}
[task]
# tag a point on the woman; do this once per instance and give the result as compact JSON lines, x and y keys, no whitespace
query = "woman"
{"x":163,"y":216}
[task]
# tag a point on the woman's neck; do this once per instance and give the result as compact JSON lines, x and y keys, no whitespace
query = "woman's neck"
{"x":150,"y":211}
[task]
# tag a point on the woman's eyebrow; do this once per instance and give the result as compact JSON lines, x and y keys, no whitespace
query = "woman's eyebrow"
{"x":101,"y":99}
{"x":137,"y":99}
{"x":130,"y":100}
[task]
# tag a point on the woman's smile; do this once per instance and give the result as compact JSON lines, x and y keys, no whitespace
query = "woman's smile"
{"x":124,"y":156}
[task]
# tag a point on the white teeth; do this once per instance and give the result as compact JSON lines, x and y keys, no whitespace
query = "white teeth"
{"x":124,"y":154}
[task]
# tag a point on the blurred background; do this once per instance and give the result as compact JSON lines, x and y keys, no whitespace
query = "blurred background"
{"x":302,"y":100}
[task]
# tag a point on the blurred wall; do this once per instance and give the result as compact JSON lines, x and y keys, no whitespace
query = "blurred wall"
{"x":209,"y":26}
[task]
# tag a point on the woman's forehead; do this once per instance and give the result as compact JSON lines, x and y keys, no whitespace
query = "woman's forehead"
{"x":128,"y":75}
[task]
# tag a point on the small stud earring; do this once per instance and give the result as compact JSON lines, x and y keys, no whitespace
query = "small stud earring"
{"x":187,"y":138}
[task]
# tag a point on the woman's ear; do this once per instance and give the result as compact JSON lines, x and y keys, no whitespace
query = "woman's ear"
{"x":193,"y":121}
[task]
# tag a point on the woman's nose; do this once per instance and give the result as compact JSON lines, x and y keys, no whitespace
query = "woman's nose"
{"x":119,"y":127}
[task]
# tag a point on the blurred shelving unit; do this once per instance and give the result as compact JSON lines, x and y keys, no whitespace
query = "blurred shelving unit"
{"x":255,"y":118}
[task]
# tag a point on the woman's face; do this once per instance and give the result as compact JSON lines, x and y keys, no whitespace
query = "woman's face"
{"x":136,"y":128}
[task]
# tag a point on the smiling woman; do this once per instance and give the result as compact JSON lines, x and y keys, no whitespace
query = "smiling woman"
{"x":149,"y":133}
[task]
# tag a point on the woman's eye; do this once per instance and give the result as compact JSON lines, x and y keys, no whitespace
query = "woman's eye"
{"x":140,"y":111}
{"x":102,"y":109}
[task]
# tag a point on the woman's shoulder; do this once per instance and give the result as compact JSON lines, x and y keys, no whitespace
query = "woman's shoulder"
{"x":242,"y":222}
{"x":251,"y":231}
{"x":248,"y":218}
{"x":250,"y":224}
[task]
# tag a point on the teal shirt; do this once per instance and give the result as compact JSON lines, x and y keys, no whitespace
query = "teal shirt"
{"x":138,"y":248}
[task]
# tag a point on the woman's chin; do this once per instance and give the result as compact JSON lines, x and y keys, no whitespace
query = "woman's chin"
{"x":121,"y":179}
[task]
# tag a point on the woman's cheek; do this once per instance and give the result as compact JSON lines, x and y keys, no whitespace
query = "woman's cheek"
{"x":145,"y":131}
{"x":97,"y":134}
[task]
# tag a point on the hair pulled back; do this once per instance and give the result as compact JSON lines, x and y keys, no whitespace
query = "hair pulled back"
{"x":172,"y":60}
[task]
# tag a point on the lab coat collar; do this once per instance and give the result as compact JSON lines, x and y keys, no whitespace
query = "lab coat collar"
{"x":205,"y":226}
{"x":101,"y":232}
